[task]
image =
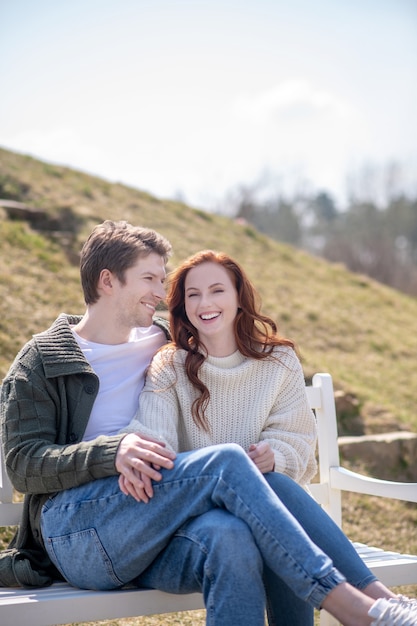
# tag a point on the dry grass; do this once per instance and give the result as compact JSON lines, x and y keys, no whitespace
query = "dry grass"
{"x":191,"y":618}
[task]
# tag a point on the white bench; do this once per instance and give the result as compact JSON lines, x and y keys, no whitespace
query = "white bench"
{"x":62,"y":604}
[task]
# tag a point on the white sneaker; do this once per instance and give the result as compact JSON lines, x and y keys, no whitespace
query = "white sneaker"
{"x":394,"y":612}
{"x":406,"y":601}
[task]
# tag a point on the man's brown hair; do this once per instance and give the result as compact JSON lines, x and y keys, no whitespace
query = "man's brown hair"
{"x":116,"y":246}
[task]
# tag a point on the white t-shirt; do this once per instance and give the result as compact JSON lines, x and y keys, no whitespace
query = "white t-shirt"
{"x":121,"y":370}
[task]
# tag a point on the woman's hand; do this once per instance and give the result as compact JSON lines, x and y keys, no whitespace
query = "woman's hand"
{"x":141,"y":490}
{"x":263,"y":456}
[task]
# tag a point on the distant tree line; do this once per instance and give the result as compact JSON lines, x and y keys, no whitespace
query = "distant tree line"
{"x":375,"y":234}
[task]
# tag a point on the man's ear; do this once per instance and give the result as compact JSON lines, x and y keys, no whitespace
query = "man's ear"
{"x":105,"y":281}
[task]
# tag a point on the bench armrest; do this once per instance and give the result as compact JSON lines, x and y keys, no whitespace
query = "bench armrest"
{"x":346,"y":480}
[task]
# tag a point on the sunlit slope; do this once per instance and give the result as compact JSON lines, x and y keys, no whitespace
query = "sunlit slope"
{"x":365,"y":334}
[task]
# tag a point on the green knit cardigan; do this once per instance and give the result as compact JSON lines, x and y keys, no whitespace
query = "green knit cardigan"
{"x":46,"y":400}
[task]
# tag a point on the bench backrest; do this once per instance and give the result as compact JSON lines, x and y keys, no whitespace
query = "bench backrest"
{"x":321,"y":398}
{"x":322,"y":401}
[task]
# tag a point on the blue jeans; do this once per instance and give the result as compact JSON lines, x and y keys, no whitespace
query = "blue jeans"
{"x":212,"y":525}
{"x":282,"y":605}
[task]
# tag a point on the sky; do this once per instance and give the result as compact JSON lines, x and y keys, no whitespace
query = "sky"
{"x":194,"y":99}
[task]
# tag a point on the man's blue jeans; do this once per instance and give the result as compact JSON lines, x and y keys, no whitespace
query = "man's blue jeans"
{"x":213,"y":525}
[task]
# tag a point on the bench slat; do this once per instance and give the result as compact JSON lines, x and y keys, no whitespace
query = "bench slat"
{"x":61,"y":604}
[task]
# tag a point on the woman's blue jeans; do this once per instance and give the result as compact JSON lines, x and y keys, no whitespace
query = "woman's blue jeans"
{"x":282,"y":605}
{"x":213,"y":525}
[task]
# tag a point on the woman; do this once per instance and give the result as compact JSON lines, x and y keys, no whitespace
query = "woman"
{"x":235,"y":380}
{"x":228,"y":377}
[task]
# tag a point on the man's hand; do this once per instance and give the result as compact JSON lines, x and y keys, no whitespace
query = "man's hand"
{"x":263,"y":456}
{"x":138,"y":460}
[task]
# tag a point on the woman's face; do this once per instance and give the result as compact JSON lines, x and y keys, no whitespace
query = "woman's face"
{"x":211,"y":303}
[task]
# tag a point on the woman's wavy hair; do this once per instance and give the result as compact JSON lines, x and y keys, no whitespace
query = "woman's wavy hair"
{"x":256,"y":334}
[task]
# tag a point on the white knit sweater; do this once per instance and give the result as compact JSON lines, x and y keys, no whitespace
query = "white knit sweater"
{"x":250,"y":401}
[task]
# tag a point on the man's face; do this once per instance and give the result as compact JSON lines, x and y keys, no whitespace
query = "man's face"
{"x":142,"y":291}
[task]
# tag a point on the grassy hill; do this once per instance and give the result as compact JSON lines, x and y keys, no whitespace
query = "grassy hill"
{"x":363,"y":333}
{"x":360,"y":331}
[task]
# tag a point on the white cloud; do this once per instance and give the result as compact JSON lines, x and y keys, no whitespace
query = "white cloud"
{"x":295,"y":97}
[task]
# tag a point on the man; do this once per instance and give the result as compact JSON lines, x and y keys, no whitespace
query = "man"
{"x":77,"y":383}
{"x":210,"y":522}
